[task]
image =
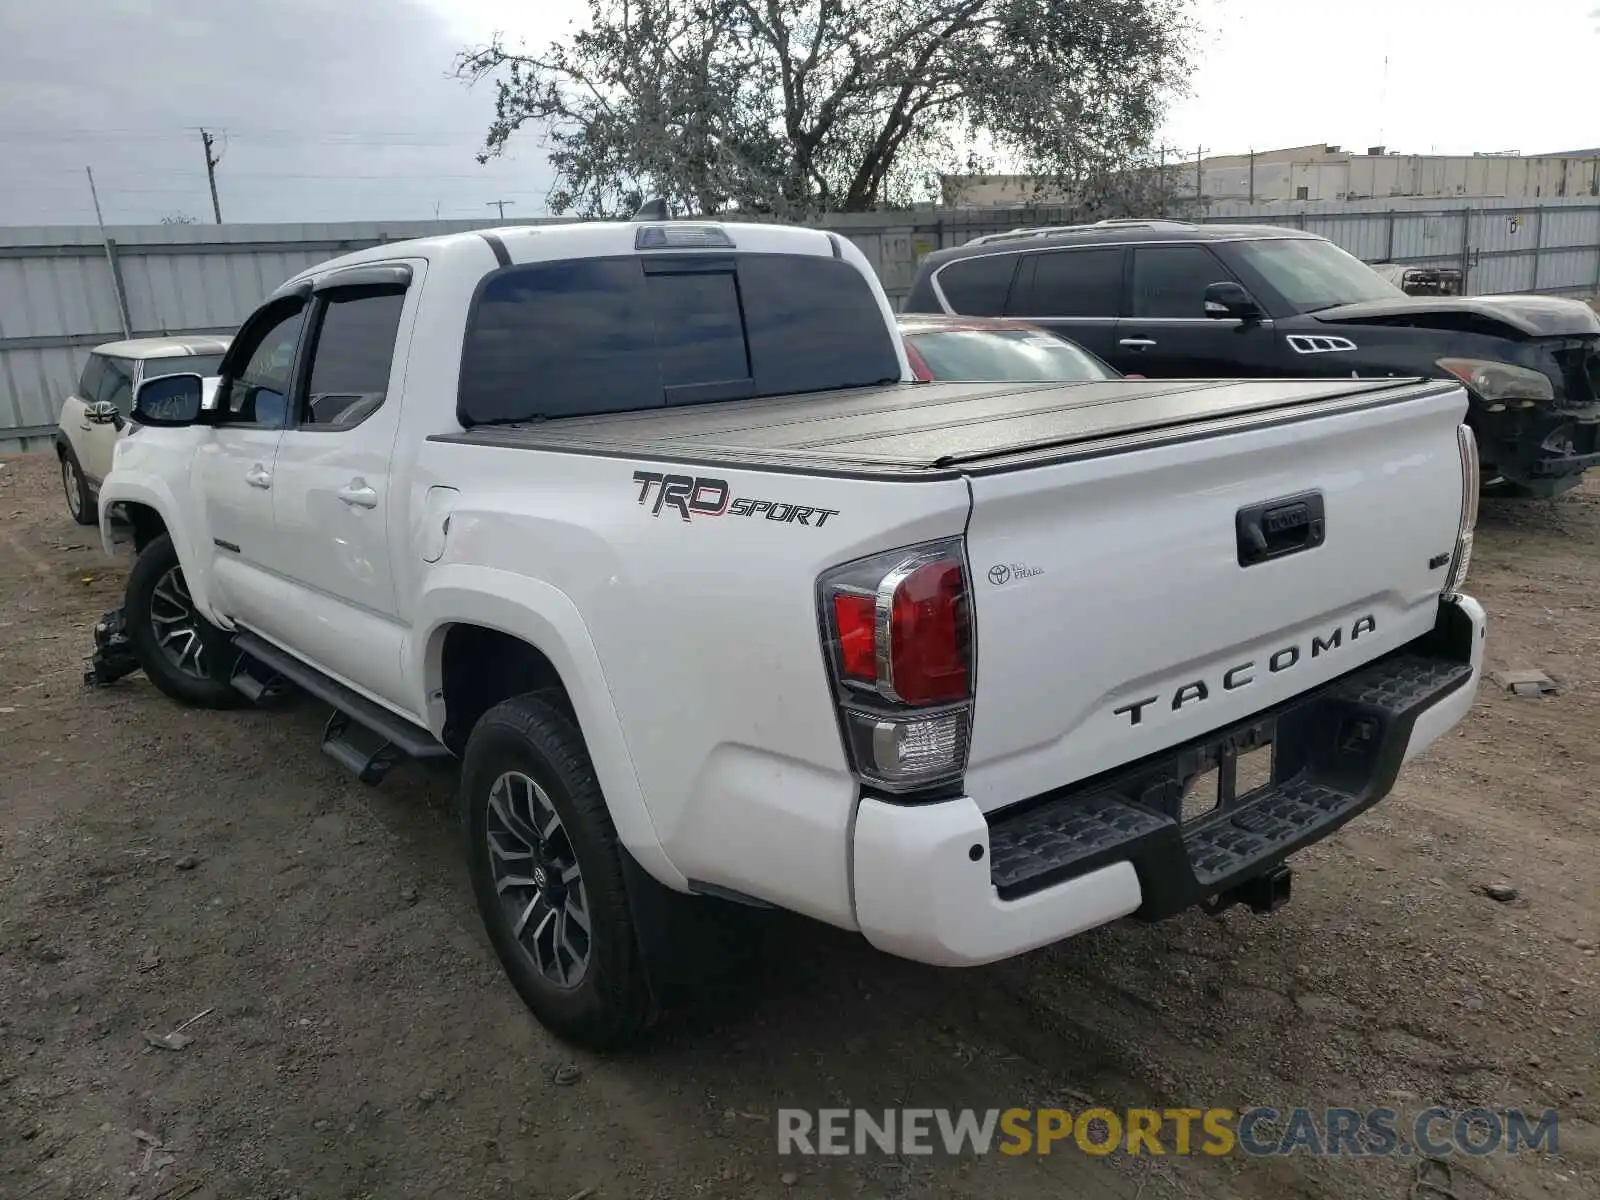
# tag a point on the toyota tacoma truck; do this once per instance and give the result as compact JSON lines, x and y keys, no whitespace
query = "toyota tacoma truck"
{"x":650,"y":525}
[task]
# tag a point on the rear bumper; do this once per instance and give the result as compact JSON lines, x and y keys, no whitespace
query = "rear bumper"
{"x":945,"y":883}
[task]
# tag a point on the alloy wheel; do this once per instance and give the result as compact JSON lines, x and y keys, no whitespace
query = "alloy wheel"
{"x":177,"y":624}
{"x":538,"y":878}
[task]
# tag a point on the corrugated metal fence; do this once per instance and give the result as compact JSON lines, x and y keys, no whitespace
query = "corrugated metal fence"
{"x":64,"y":290}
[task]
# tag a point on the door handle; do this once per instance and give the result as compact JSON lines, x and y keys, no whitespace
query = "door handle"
{"x":258,"y":477}
{"x":358,"y":494}
{"x":1137,"y":343}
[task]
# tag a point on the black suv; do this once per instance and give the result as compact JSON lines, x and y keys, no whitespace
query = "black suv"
{"x":1169,"y":299}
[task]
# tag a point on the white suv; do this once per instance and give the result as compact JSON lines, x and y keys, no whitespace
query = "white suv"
{"x":96,"y":414}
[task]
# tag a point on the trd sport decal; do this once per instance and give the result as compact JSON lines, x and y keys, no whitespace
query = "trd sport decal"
{"x":693,"y":496}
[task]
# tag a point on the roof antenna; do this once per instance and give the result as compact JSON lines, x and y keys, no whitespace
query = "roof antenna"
{"x":653,"y":210}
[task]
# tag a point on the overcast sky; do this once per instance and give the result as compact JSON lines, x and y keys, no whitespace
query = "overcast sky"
{"x":330,"y":110}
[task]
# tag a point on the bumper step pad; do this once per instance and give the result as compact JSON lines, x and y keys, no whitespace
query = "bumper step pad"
{"x":1337,"y":751}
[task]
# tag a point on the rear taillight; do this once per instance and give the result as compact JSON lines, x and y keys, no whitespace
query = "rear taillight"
{"x":898,"y":628}
{"x":1461,"y":560}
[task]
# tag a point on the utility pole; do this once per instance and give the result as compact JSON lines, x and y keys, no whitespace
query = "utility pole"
{"x":501,"y":205}
{"x":1252,"y":175}
{"x":207,"y":141}
{"x":1167,"y":184}
{"x":111,"y":256}
{"x":1200,"y":173}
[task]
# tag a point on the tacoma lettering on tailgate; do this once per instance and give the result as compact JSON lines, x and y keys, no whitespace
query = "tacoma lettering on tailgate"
{"x":1242,"y":675}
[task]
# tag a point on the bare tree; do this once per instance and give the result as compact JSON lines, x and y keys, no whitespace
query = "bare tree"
{"x":792,"y":108}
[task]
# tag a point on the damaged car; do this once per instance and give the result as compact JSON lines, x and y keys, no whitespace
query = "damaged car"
{"x":1171,"y":299}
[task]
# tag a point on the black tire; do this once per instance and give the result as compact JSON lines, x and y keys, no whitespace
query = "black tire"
{"x":606,"y":1003}
{"x":208,"y":685}
{"x":77,"y":488}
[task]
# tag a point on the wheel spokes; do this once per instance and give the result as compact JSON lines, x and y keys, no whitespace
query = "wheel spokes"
{"x":537,"y":876}
{"x":177,"y":624}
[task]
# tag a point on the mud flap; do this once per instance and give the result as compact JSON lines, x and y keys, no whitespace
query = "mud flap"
{"x":688,"y":943}
{"x":113,"y":656}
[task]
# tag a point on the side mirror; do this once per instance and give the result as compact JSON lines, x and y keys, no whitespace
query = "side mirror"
{"x":1227,"y":299}
{"x":171,"y":401}
{"x":102,"y":412}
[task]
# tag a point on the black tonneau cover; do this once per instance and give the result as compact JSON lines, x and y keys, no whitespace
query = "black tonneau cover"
{"x":938,"y":429}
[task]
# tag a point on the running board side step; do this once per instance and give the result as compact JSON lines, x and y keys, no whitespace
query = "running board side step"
{"x":363,"y":737}
{"x":258,"y":683}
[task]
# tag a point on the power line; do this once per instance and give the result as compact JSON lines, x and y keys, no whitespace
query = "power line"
{"x":198,"y":176}
{"x":377,"y":136}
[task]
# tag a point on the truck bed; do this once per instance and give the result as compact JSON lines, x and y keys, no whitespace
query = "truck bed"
{"x":940,"y":429}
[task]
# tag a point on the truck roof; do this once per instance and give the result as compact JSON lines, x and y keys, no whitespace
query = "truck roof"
{"x":528,"y":243}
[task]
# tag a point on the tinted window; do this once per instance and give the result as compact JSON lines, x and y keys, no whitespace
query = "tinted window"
{"x":1005,"y":355}
{"x":558,"y":339}
{"x":603,"y":335}
{"x":202,"y":365}
{"x":89,"y":381}
{"x":116,"y":384}
{"x":814,"y":325}
{"x":259,"y":392}
{"x":353,"y":352}
{"x":1171,"y":281}
{"x":1072,"y":283}
{"x":700,"y":326}
{"x":977,"y":287}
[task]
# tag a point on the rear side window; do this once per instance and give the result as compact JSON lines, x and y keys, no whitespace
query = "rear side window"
{"x":978,"y":287}
{"x":1071,"y":283}
{"x":1171,"y":281}
{"x":585,"y":336}
{"x":352,"y":354}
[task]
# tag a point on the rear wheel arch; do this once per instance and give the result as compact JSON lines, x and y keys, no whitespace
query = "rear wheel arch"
{"x":542,"y":632}
{"x":479,"y":666}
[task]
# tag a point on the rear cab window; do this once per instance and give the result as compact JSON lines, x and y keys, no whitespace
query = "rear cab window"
{"x":577,"y":337}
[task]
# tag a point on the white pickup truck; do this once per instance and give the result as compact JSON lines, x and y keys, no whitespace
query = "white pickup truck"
{"x":651,"y":527}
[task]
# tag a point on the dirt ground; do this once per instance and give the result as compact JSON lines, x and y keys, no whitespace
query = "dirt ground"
{"x":359,"y":1039}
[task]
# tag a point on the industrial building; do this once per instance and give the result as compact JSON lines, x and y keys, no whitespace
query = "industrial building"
{"x":1321,"y":172}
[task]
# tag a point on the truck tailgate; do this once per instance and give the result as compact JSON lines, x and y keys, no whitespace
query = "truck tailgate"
{"x":1123,"y":605}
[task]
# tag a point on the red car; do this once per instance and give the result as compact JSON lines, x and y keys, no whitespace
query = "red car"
{"x":996,"y":350}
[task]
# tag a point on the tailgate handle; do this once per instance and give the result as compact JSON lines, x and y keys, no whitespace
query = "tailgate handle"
{"x":1278,"y":528}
